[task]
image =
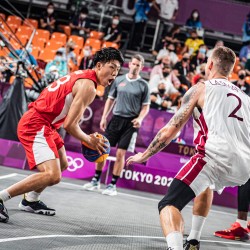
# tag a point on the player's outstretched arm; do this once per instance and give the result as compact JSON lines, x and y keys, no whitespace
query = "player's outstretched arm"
{"x":169,"y":131}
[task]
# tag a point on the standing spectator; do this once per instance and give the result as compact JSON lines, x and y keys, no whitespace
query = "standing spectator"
{"x":113,"y":31}
{"x":142,"y":8}
{"x":87,"y":60}
{"x":194,"y":20}
{"x":168,"y":8}
{"x":80,"y":25}
{"x":246,"y":30}
{"x":59,"y":63}
{"x":131,"y":96}
{"x":159,"y":100}
{"x":241,"y":82}
{"x":217,"y":44}
{"x":48,"y":18}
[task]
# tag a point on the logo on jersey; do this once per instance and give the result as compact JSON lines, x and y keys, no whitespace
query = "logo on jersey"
{"x":122,"y":84}
{"x":74,"y":163}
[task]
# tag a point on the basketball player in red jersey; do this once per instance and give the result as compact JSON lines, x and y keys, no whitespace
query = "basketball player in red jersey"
{"x":221,"y":121}
{"x":61,"y":103}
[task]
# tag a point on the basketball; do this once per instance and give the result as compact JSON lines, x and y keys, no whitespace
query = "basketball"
{"x":92,"y":155}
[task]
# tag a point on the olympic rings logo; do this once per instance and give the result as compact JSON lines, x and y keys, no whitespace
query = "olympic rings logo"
{"x":74,"y":163}
{"x":88,"y":117}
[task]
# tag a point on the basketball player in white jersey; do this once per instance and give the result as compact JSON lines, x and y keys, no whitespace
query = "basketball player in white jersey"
{"x":222,"y":140}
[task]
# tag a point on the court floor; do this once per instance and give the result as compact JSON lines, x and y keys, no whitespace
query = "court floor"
{"x":90,"y":220}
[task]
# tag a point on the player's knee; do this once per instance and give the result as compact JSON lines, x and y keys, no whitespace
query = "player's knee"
{"x":120,"y":155}
{"x":54,"y":178}
{"x":166,"y":202}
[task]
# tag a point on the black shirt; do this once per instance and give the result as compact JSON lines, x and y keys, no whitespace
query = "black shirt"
{"x":245,"y":88}
{"x":113,"y":33}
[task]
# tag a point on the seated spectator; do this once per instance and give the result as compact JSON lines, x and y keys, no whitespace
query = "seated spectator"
{"x":159,"y":100}
{"x":80,"y":24}
{"x":169,"y":51}
{"x":241,"y":82}
{"x":194,"y":20}
{"x":6,"y":70}
{"x":59,"y":63}
{"x":158,"y":70}
{"x":200,"y":56}
{"x":87,"y":60}
{"x":48,"y":18}
{"x":246,"y":30}
{"x":245,"y":53}
{"x":193,"y":43}
{"x":68,"y":52}
{"x":200,"y":75}
{"x":166,"y":79}
{"x":183,"y":68}
{"x":113,"y":31}
{"x":217,"y":44}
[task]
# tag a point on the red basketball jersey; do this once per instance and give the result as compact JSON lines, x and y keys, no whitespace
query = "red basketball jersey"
{"x":54,"y":102}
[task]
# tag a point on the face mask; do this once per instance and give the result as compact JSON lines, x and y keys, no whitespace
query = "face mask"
{"x":58,"y":58}
{"x":203,"y":73}
{"x":161,"y":91}
{"x":202,"y":51}
{"x":50,"y":10}
{"x":171,"y":50}
{"x":185,"y":59}
{"x":165,"y":74}
{"x":115,"y":21}
{"x":195,"y":15}
{"x":86,"y":53}
{"x":71,"y":49}
{"x":83,"y":16}
{"x":193,"y":38}
{"x":241,"y":76}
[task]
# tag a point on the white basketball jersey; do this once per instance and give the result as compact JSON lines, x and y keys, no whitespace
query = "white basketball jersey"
{"x":222,"y":130}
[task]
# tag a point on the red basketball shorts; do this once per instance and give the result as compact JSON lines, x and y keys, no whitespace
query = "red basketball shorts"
{"x":40,"y":141}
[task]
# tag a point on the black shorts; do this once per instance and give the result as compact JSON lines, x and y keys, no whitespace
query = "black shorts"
{"x":179,"y":195}
{"x":120,"y":131}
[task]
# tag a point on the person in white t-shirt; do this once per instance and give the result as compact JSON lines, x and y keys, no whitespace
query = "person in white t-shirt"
{"x":168,"y":8}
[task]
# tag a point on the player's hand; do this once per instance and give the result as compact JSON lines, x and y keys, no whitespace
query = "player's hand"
{"x":103,"y":124}
{"x":136,"y":122}
{"x":97,"y":143}
{"x":135,"y":159}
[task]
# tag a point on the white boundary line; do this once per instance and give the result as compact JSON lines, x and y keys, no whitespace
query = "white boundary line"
{"x":108,"y":236}
{"x":8,"y":176}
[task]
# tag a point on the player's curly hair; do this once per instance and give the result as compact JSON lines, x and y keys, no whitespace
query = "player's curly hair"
{"x":108,"y":54}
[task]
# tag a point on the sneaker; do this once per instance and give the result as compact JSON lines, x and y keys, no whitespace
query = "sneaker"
{"x":110,"y":190}
{"x":236,"y":232}
{"x":191,"y":245}
{"x":4,"y":217}
{"x":37,"y":207}
{"x":93,"y":185}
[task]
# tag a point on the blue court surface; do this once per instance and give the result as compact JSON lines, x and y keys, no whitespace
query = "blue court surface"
{"x":90,"y":220}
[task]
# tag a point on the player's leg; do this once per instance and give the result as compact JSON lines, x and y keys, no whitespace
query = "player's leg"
{"x":239,"y":229}
{"x":178,"y":196}
{"x":201,"y":207}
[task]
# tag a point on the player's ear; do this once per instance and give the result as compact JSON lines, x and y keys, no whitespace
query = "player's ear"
{"x":210,"y":66}
{"x":99,"y":65}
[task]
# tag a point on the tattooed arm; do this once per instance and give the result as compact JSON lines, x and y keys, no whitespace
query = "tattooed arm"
{"x":169,"y":131}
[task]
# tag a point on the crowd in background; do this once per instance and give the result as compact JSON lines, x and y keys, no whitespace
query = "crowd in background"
{"x":179,"y":58}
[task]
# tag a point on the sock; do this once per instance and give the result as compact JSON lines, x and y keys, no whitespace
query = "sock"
{"x":97,"y":175}
{"x":4,"y":195}
{"x":32,"y":196}
{"x":175,"y":240}
{"x":114,"y":179}
{"x":197,"y":225}
{"x":243,"y":223}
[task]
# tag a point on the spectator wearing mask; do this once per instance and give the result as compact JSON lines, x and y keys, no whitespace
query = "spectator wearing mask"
{"x":194,"y":20}
{"x":168,"y":51}
{"x":217,"y":44}
{"x":200,"y":56}
{"x":113,"y":31}
{"x":183,"y":68}
{"x":87,"y":60}
{"x":159,"y":100}
{"x":193,"y":43}
{"x":142,"y":8}
{"x":200,"y":75}
{"x":246,"y":30}
{"x":80,"y":25}
{"x":59,"y":63}
{"x":241,"y":82}
{"x":48,"y":18}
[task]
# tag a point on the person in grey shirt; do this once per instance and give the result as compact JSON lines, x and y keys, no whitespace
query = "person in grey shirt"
{"x":129,"y":94}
